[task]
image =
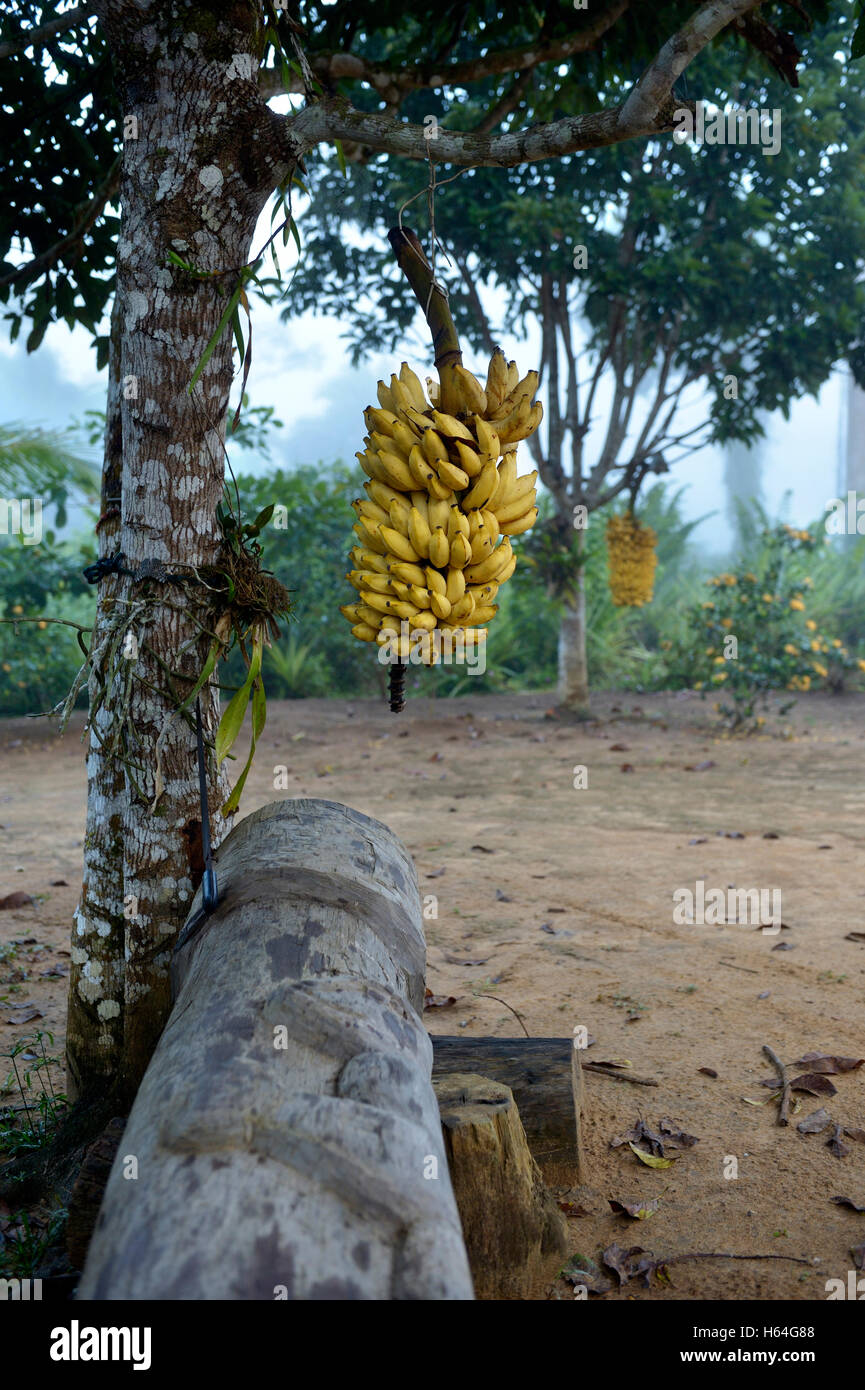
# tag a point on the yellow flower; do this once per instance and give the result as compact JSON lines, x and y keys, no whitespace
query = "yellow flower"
{"x":808,"y":580}
{"x":805,"y":683}
{"x":42,"y":625}
{"x":797,"y":604}
{"x":7,"y":667}
{"x":726,"y":622}
{"x":719,"y":676}
{"x":860,"y":663}
{"x":719,"y":660}
{"x":698,"y":685}
{"x":18,"y":608}
{"x":707,"y":605}
{"x":810,"y":624}
{"x":821,"y":670}
{"x":767,"y":598}
{"x":816,"y":646}
{"x":751,"y":577}
{"x":710,"y":651}
{"x":793,"y":651}
{"x":836,"y":641}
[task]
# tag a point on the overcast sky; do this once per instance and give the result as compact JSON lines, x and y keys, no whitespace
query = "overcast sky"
{"x":302,"y":369}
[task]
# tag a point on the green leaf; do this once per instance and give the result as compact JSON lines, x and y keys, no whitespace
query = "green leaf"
{"x":259,"y":718}
{"x":228,"y":313}
{"x":857,"y":48}
{"x":232,"y":721}
{"x":340,"y":154}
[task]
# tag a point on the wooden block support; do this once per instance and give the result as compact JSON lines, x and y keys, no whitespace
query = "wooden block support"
{"x":510,"y":1220}
{"x":286,"y":1141}
{"x":545,"y":1077}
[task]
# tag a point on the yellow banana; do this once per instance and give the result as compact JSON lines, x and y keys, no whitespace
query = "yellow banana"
{"x":453,"y":477}
{"x":364,"y":632}
{"x":426,"y":621}
{"x":385,"y":399}
{"x":460,"y":552}
{"x":455,"y":585}
{"x":368,"y":531}
{"x":436,"y":582}
{"x":514,"y":490}
{"x":419,"y":597}
{"x":397,"y":472}
{"x":463,"y":609}
{"x":484,"y":613}
{"x":491,"y":567}
{"x":439,"y":511}
{"x":364,"y":559}
{"x":352,"y":611}
{"x":457,"y":522}
{"x":370,"y":579}
{"x":402,"y":395}
{"x":527,"y":426}
{"x":470,"y":460}
{"x":473,"y":394}
{"x":513,"y":378}
{"x":512,"y":418}
{"x":508,"y":570}
{"x":440,"y":605}
{"x":381,"y":420}
{"x":413,"y":385}
{"x":369,"y":462}
{"x":522,"y":523}
{"x":516,"y":508}
{"x":497,"y":380}
{"x":507,"y":476}
{"x":491,"y":522}
{"x":480,"y":492}
{"x":405,"y":438}
{"x":399,"y":545}
{"x":482,"y":544}
{"x":419,"y":533}
{"x":380,"y":493}
{"x":489,"y":445}
{"x":420,"y":500}
{"x":483,"y":593}
{"x":396,"y":607}
{"x":408,"y":573}
{"x":420,"y":469}
{"x":364,"y":507}
{"x":439,"y":550}
{"x":436,"y":488}
{"x":451,"y":427}
{"x":433,"y":446}
{"x":398,"y":515}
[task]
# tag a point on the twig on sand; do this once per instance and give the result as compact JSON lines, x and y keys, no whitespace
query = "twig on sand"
{"x":600,"y":1070}
{"x":786,"y":1093}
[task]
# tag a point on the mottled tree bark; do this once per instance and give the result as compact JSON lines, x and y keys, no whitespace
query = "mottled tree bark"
{"x":198,"y":166}
{"x":94,"y":1029}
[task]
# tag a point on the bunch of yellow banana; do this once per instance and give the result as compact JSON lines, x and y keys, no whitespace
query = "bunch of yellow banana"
{"x":632,"y":559}
{"x":442,"y":500}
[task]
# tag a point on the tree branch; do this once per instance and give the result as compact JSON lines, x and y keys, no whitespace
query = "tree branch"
{"x":89,"y":214}
{"x":331,"y":67}
{"x":29,"y":37}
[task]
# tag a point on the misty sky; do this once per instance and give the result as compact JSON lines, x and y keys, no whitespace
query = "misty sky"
{"x":302,"y":369}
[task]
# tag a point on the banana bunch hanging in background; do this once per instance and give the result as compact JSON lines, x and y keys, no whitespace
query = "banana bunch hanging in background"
{"x":631,"y":560}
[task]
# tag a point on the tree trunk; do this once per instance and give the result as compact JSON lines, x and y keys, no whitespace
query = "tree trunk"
{"x":197,"y":170}
{"x":286,"y":1141}
{"x":573,"y":666}
{"x":94,"y":1027}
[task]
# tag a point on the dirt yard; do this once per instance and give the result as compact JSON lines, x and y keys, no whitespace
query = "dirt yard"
{"x":560,"y":901}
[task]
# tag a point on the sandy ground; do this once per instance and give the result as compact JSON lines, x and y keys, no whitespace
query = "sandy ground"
{"x":567,"y":914}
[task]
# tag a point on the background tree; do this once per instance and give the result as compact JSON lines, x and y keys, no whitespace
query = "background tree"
{"x":653,"y":274}
{"x":160,"y":108}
